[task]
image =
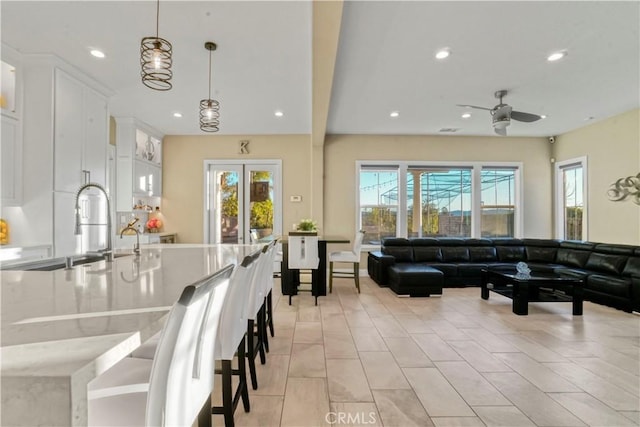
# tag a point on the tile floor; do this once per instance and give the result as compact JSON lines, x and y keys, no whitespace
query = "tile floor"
{"x":375,"y":359}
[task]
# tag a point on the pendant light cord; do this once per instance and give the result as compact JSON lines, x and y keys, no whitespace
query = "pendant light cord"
{"x":209,"y":73}
{"x":157,"y":18}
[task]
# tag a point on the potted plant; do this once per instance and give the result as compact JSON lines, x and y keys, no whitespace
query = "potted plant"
{"x":307,"y":226}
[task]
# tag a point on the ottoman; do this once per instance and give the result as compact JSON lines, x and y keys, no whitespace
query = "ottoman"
{"x":415,"y":280}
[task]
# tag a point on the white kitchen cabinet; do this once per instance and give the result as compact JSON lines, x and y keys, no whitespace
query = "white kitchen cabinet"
{"x":11,"y":162}
{"x":148,"y":179}
{"x":80,"y":134}
{"x":139,"y":162}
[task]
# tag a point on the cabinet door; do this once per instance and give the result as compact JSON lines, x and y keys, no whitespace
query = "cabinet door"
{"x":68,"y":132}
{"x":10,"y":163}
{"x":141,"y":182}
{"x":155,"y":174}
{"x":95,"y":136}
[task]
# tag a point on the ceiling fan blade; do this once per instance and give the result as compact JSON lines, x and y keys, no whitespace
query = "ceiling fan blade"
{"x":473,"y":106}
{"x":524,"y":117}
{"x":501,"y":131}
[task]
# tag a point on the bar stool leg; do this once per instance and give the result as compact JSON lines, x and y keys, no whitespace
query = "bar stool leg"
{"x":330,"y":276}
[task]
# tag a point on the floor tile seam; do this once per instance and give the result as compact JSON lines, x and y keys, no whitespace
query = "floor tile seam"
{"x":448,"y":382}
{"x":551,"y":394}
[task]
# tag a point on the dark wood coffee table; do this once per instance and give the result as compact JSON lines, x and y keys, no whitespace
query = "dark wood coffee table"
{"x":539,"y":287}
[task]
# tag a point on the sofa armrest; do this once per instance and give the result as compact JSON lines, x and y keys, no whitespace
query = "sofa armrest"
{"x":378,"y":265}
{"x":635,"y":293}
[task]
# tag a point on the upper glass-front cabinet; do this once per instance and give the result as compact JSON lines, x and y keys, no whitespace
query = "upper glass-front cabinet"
{"x":148,"y":148}
{"x":8,"y":94}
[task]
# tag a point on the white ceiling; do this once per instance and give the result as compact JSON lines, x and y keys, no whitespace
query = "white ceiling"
{"x":385,"y":61}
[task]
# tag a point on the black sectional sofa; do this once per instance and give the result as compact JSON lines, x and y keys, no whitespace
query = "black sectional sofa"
{"x":423,"y":266}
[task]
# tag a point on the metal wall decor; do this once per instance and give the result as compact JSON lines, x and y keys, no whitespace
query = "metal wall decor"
{"x":624,"y":188}
{"x":210,"y":108}
{"x":155,"y":60}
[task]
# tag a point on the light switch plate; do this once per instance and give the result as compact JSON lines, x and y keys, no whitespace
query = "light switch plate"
{"x":295,"y":198}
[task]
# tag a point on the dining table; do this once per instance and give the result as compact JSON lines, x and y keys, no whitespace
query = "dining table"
{"x":290,"y":278}
{"x":62,"y":328}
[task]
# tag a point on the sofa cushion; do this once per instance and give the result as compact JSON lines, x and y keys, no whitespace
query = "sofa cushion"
{"x":605,"y":248}
{"x":543,"y":243}
{"x":425,"y":241}
{"x":400,"y":253}
{"x":427,"y":253}
{"x":471,"y":269}
{"x":395,"y":241}
{"x":478,"y":242}
{"x":572,"y":258}
{"x":612,"y":264}
{"x":605,"y":284}
{"x":483,"y":254}
{"x":510,"y":253}
{"x":539,"y":254}
{"x":455,"y":253}
{"x":577,"y":244}
{"x":449,"y":270}
{"x":632,"y":268}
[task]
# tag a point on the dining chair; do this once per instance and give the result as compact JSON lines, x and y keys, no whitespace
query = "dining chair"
{"x":269,"y":276}
{"x":256,"y":316}
{"x":231,"y":340}
{"x":303,"y":255}
{"x":351,"y":257}
{"x":174,"y":388}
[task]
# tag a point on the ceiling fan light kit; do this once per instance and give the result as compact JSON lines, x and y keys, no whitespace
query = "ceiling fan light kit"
{"x":502,"y":114}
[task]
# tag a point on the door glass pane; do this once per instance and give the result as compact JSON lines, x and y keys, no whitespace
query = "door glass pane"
{"x":261,"y":203}
{"x":378,"y":204}
{"x":498,"y":202}
{"x":228,"y":202}
{"x":438,"y":202}
{"x":573,"y":202}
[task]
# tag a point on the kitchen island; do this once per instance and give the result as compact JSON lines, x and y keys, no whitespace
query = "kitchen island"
{"x":62,"y":328}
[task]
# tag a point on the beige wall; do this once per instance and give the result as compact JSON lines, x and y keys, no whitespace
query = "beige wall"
{"x":183,"y":176}
{"x":612,"y":148}
{"x":342,"y":151}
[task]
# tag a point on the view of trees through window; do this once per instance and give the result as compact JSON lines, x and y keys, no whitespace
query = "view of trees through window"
{"x":261,"y":203}
{"x":438,"y":200}
{"x":573,"y":202}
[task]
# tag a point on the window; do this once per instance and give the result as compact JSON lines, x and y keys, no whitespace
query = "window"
{"x":378,"y":203}
{"x":438,"y":199}
{"x":570,"y":200}
{"x":497,"y":206}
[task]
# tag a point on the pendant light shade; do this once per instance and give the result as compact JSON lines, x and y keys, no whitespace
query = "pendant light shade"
{"x":155,"y":60}
{"x":210,"y":108}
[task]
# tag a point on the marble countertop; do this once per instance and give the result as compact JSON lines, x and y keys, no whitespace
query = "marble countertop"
{"x":62,"y":328}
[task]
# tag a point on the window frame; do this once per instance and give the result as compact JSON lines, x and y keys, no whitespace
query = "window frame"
{"x":402,"y":167}
{"x":559,"y":195}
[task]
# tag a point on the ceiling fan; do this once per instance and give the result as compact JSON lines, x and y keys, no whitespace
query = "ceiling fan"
{"x":502,"y":114}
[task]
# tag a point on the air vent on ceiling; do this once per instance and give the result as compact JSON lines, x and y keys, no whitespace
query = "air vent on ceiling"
{"x":449,"y":130}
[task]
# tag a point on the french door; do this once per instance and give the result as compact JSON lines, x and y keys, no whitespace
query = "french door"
{"x":243,"y":200}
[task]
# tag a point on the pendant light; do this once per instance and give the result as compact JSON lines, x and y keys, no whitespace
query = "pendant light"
{"x":155,"y":60}
{"x":210,"y":108}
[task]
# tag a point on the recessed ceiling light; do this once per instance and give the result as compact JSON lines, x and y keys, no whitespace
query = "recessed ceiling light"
{"x":279,"y":113}
{"x":177,"y":114}
{"x":556,"y":56}
{"x":394,"y":114}
{"x":97,"y":53}
{"x":466,"y":115}
{"x":443,"y":53}
{"x":543,"y":116}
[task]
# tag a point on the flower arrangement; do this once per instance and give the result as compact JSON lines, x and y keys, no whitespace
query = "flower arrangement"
{"x":154,"y":225}
{"x":307,"y":225}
